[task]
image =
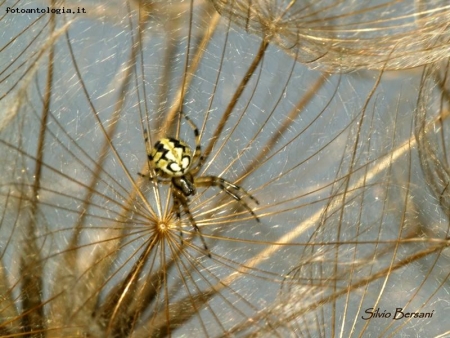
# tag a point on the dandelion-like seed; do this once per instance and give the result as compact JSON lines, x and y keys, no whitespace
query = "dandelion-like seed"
{"x":356,"y":201}
{"x":173,"y":162}
{"x":163,"y":226}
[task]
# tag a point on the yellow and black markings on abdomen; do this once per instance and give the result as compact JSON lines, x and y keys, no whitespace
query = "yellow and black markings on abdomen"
{"x":172,"y":156}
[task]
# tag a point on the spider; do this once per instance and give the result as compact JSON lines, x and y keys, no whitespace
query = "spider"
{"x":173,"y":162}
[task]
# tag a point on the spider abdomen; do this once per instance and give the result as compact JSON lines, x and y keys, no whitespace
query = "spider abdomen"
{"x":171,"y":156}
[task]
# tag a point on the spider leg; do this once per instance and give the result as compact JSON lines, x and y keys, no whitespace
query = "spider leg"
{"x":176,"y":205}
{"x":197,"y":156}
{"x":199,"y":164}
{"x":148,"y":149}
{"x":158,"y":177}
{"x":154,"y":178}
{"x":181,"y":200}
{"x":228,"y":187}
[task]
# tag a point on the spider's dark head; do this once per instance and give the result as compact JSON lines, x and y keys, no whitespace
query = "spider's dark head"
{"x":184,"y":184}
